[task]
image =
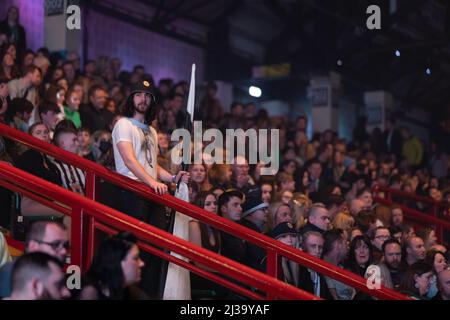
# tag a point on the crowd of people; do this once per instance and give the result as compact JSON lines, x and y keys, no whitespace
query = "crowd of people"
{"x":320,"y":201}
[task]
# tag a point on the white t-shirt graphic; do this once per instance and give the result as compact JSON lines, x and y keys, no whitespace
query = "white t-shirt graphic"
{"x":145,"y":147}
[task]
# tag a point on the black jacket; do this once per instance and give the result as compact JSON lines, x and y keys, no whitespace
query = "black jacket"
{"x":309,"y":227}
{"x":305,"y":283}
{"x":255,"y":254}
{"x":94,"y":119}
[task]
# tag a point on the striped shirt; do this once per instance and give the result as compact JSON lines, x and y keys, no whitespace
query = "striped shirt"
{"x":70,"y":174}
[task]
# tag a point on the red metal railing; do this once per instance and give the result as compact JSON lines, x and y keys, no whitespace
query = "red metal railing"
{"x":110,"y":220}
{"x":83,"y":225}
{"x":432,"y":218}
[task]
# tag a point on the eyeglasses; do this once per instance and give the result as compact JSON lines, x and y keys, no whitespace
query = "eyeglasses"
{"x":56,"y":245}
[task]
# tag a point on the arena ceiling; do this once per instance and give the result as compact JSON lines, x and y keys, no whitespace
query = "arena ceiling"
{"x":314,"y":34}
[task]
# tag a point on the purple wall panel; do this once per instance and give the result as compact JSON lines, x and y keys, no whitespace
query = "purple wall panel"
{"x":163,"y":57}
{"x":31,"y":17}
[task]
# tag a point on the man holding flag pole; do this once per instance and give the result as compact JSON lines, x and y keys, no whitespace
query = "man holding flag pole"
{"x":135,"y":146}
{"x":177,"y":284}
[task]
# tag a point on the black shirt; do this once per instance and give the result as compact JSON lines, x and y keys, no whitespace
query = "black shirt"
{"x":94,"y":119}
{"x":39,"y":165}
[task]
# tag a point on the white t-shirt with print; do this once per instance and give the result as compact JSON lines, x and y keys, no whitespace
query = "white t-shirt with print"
{"x":145,"y":152}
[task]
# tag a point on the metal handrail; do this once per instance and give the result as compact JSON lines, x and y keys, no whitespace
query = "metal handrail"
{"x":274,"y":248}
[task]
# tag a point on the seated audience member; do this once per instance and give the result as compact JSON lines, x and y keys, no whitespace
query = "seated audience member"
{"x":38,"y":276}
{"x":353,"y":233}
{"x":18,"y":113}
{"x":267,"y":192}
{"x":72,"y":178}
{"x":310,"y":280}
{"x":439,"y":263}
{"x":356,"y":205}
{"x":335,"y":251}
{"x":415,"y":250}
{"x":380,"y":235}
{"x":360,"y":255}
{"x":343,"y":221}
{"x":366,"y":221}
{"x":396,"y":215}
{"x":392,"y":263}
{"x":48,"y":115}
{"x":396,"y":233}
{"x":40,"y":165}
{"x":86,"y":145}
{"x":44,"y":236}
{"x":443,"y":281}
{"x":318,"y":219}
{"x":103,"y":150}
{"x":279,"y":213}
{"x":115,"y":271}
{"x":417,"y":280}
{"x":407,"y":232}
{"x":94,"y":115}
{"x":428,"y":235}
{"x":230,"y":207}
{"x":254,"y":217}
{"x":72,"y":106}
{"x":366,"y":196}
{"x":286,"y":233}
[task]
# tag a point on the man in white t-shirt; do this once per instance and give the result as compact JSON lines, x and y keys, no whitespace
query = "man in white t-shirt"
{"x":135,"y":142}
{"x":135,"y":145}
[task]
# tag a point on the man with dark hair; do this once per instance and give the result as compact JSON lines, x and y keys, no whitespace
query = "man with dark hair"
{"x":254,"y":216}
{"x":72,"y":178}
{"x":230,"y":207}
{"x":48,"y":114}
{"x":19,"y":113}
{"x":38,"y":276}
{"x":49,"y":237}
{"x":392,"y":262}
{"x":26,"y":87}
{"x":379,"y":236}
{"x":94,"y":115}
{"x":335,"y":250}
{"x":396,"y":215}
{"x":135,"y":145}
{"x":310,"y":280}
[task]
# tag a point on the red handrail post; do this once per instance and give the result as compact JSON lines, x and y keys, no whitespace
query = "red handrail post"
{"x":76,"y":255}
{"x":92,"y":192}
{"x":273,"y":261}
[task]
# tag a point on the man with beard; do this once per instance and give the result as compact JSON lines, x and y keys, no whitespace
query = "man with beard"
{"x":392,"y":263}
{"x":135,"y":145}
{"x":38,"y":276}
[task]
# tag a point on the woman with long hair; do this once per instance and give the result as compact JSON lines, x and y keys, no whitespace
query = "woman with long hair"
{"x":206,"y":237}
{"x":360,"y":255}
{"x":115,"y":270}
{"x":439,"y":263}
{"x":417,"y":280}
{"x":199,"y":177}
